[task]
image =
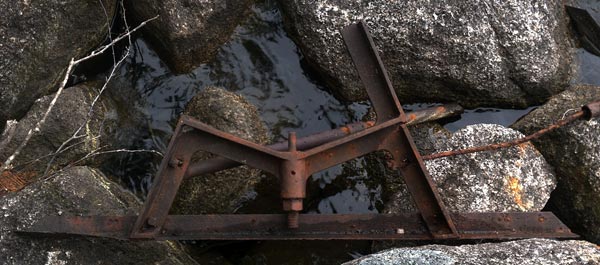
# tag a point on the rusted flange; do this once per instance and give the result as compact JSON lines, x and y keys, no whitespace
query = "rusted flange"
{"x":591,"y":110}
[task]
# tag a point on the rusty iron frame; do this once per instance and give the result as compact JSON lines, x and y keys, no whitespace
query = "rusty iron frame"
{"x":294,"y":166}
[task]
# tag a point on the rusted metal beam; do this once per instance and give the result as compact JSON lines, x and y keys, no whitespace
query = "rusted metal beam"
{"x":409,"y":226}
{"x":419,"y":116}
{"x":407,"y":159}
{"x":372,"y":73}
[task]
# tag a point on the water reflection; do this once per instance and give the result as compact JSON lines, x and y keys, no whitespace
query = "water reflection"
{"x":588,"y":68}
{"x":259,"y":62}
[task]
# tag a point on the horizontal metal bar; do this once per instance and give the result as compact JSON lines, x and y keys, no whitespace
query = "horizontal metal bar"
{"x":313,"y":226}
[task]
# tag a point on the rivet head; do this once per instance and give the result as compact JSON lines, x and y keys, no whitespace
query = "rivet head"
{"x":152,"y":221}
{"x":175,"y":162}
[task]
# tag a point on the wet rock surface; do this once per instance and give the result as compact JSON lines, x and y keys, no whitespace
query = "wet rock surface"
{"x":75,"y":191}
{"x":510,"y":53}
{"x":37,"y":41}
{"x":529,"y":251}
{"x":221,"y":192}
{"x":188,"y":33}
{"x":574,"y":151}
{"x":69,"y":113}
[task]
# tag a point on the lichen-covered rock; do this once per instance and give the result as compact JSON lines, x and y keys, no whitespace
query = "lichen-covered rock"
{"x":188,"y":33}
{"x":509,"y":179}
{"x":529,"y":251}
{"x":221,"y":192}
{"x":574,"y":151}
{"x":37,"y":41}
{"x":75,"y":191}
{"x":69,"y":113}
{"x":484,"y":52}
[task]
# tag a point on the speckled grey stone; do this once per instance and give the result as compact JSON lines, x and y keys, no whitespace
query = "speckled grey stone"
{"x":484,"y":52}
{"x":509,"y":179}
{"x":224,"y":191}
{"x":68,"y":114}
{"x":188,"y":33}
{"x":529,"y":251}
{"x":37,"y":41}
{"x":75,"y":191}
{"x":574,"y":151}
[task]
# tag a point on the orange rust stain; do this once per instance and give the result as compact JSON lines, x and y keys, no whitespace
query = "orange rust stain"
{"x":412,"y":117}
{"x":370,"y":124}
{"x":440,"y":109}
{"x":516,"y":190}
{"x":345,"y":129}
{"x":15,"y":181}
{"x":523,"y":147}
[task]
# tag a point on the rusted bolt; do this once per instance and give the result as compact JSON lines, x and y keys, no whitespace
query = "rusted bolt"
{"x":152,"y":221}
{"x":175,"y":162}
{"x":405,"y":162}
{"x":292,"y":142}
{"x":292,"y":219}
{"x":292,"y":205}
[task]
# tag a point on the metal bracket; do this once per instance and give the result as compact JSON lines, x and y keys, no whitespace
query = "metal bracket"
{"x":294,"y":167}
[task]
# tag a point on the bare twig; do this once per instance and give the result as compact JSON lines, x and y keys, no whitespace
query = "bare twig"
{"x":104,"y":86}
{"x":61,"y":151}
{"x":97,"y":153}
{"x":8,"y":163}
{"x":122,"y":36}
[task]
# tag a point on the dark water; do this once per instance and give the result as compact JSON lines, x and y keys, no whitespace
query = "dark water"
{"x":261,"y":63}
{"x":588,"y":71}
